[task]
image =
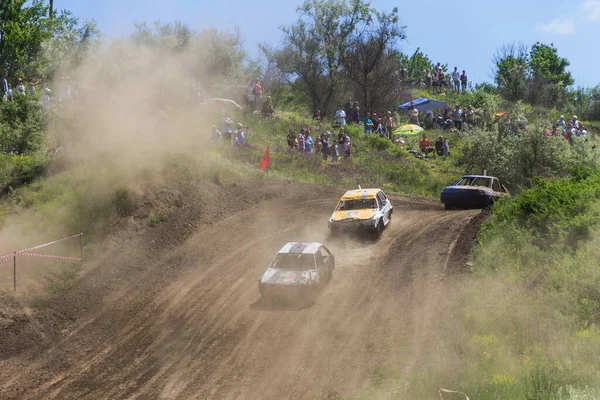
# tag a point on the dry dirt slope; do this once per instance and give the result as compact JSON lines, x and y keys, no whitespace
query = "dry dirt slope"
{"x":181,"y":319}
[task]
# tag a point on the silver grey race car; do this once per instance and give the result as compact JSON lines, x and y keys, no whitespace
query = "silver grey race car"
{"x":297,"y":273}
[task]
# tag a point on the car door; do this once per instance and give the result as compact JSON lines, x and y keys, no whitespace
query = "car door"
{"x":328,"y":257}
{"x":386,"y":207}
{"x":497,"y":188}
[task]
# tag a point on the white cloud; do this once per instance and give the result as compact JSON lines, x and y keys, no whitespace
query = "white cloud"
{"x":591,"y":9}
{"x":558,"y":26}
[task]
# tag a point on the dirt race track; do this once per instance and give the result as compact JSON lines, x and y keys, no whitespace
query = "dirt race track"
{"x":173,"y":312}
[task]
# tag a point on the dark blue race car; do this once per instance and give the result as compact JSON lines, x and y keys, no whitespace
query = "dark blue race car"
{"x":473,"y":191}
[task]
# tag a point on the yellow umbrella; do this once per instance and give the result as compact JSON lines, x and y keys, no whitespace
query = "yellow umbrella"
{"x":408,"y":130}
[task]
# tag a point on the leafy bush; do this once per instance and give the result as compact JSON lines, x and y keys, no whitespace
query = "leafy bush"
{"x":563,"y":209}
{"x":22,"y":125}
{"x":517,"y":158}
{"x":123,"y":202}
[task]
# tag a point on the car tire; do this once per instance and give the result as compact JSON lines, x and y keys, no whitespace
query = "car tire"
{"x":447,"y":206}
{"x":378,"y":229}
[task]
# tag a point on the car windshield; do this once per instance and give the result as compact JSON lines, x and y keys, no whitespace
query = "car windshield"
{"x":294,"y":262}
{"x":474,"y":181}
{"x":357,"y":204}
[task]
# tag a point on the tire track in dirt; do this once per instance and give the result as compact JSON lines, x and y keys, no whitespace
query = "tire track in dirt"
{"x":205,"y":335}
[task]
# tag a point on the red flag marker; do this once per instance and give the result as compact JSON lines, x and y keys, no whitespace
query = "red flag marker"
{"x":266,"y":160}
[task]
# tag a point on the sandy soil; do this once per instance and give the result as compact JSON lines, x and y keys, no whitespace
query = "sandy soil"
{"x":173,"y":312}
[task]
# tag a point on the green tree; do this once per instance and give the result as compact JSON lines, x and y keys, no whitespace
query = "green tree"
{"x":548,"y":76}
{"x":371,"y":63}
{"x":511,"y":63}
{"x":26,"y":32}
{"x":544,"y":63}
{"x":314,"y":46}
{"x":415,"y":65}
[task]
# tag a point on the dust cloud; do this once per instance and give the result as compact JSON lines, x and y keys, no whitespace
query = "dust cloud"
{"x":131,"y":108}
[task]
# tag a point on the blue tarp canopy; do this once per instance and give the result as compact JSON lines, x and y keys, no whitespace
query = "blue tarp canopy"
{"x":423,"y":104}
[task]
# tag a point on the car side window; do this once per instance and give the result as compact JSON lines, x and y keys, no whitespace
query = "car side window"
{"x":381,"y":200}
{"x":322,"y":253}
{"x":496,"y":186}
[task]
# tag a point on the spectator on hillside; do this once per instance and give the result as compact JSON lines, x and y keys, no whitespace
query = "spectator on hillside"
{"x":356,"y":115}
{"x":441,"y":80}
{"x":340,"y":116}
{"x":292,"y":140}
{"x":325,"y":144}
{"x":561,"y":125}
{"x":267,"y":107}
{"x":317,"y":116}
{"x":21,"y":87}
{"x":341,"y":142}
{"x":438,"y":69}
{"x":390,"y":124}
{"x":227,"y":129}
{"x":308,"y":143}
{"x":447,"y":113}
{"x":348,"y":108}
{"x":10,"y":96}
{"x":46,"y":98}
{"x":429,"y":119}
{"x":301,"y":141}
{"x":376,"y":124}
{"x":31,"y":88}
{"x":456,"y":79}
{"x":318,"y":146}
{"x":457,"y":115}
{"x":414,"y":117}
{"x":368,"y":122}
{"x":347,"y":148}
{"x":333,"y":147}
{"x":258,"y":92}
{"x":4,"y":86}
{"x":464,"y":81}
{"x":403,"y":76}
{"x":428,"y":78}
{"x":425,"y":145}
{"x":215,"y":134}
{"x":441,"y":147}
{"x":470,"y":117}
{"x":239,"y":137}
{"x":575,"y":122}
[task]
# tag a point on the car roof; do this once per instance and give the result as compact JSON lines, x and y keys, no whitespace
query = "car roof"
{"x":478,"y":176}
{"x":300,"y":248}
{"x":358,"y":194}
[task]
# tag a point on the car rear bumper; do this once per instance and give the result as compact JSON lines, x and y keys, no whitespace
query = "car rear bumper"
{"x":355,"y":225}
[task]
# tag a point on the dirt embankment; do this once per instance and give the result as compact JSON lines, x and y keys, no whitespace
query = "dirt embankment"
{"x":173,"y":311}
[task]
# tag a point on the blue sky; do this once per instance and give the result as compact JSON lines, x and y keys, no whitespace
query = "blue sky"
{"x":462,"y":33}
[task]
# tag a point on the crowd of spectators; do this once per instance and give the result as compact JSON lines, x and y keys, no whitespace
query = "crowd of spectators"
{"x":349,"y":113}
{"x":568,"y":129}
{"x":438,"y":79}
{"x":256,"y":102}
{"x":8,"y":92}
{"x":457,"y":118}
{"x":326,"y":145}
{"x":227,"y":134}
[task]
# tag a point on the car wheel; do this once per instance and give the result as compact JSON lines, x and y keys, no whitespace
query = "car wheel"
{"x":447,"y":206}
{"x":378,"y":230}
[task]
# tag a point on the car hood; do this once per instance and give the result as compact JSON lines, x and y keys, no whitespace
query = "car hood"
{"x":353,"y":214}
{"x":287,"y":277}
